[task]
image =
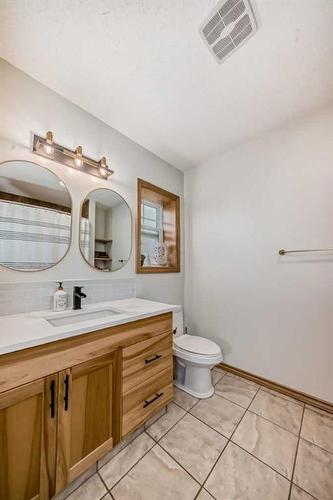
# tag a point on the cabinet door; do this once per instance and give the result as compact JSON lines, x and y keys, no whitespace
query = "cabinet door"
{"x":86,"y":409}
{"x":28,"y":441}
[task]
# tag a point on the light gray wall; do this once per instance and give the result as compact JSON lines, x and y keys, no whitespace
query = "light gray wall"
{"x":272,"y":315}
{"x":26,"y":106}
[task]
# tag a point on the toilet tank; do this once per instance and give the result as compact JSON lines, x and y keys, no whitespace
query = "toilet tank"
{"x":178,"y":322}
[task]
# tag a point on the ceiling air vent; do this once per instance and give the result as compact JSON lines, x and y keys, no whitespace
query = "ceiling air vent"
{"x":228,"y":27}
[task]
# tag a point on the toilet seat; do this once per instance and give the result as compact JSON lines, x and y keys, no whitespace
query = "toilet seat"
{"x":197,"y":349}
{"x":197,"y":345}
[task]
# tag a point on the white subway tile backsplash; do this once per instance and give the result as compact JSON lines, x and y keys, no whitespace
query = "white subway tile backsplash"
{"x":37,"y":296}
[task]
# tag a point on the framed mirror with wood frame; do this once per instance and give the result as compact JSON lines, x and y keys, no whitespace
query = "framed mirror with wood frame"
{"x":157,"y":230}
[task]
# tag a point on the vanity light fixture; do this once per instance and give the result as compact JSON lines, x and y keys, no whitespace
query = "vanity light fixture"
{"x":78,"y":157}
{"x":46,"y":147}
{"x":103,"y":169}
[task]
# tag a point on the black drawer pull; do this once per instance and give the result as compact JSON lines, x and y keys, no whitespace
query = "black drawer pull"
{"x":154,"y":358}
{"x":66,"y":383}
{"x":52,"y":398}
{"x":157,"y":396}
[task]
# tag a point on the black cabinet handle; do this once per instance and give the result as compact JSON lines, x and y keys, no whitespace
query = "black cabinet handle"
{"x":52,"y":398}
{"x":157,"y":396}
{"x":66,"y":384}
{"x":154,"y":358}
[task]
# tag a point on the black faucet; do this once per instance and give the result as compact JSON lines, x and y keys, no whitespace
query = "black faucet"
{"x":77,"y":296}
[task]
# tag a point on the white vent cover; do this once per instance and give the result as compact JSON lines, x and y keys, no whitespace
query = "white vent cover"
{"x":228,"y":27}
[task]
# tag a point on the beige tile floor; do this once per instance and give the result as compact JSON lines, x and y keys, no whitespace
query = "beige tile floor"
{"x":244,"y":443}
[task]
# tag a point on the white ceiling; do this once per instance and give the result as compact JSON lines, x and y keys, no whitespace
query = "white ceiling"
{"x":141,"y":67}
{"x":29,"y":179}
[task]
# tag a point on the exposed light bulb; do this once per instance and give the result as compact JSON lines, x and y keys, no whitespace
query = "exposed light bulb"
{"x":49,"y":150}
{"x":48,"y":147}
{"x":103,"y":170}
{"x":78,"y":160}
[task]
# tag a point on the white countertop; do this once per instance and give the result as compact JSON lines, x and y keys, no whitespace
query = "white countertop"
{"x":20,"y":331}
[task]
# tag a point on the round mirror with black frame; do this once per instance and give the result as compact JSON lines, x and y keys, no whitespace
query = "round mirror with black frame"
{"x":35,"y":217}
{"x":105,"y":230}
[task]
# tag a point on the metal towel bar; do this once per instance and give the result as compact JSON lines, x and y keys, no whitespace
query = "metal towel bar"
{"x":283,"y":252}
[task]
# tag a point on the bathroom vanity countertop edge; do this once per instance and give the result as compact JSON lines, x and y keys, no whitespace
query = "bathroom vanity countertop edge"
{"x":21,"y":331}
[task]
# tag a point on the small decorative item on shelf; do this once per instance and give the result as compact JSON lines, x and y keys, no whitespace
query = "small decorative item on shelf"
{"x":142,"y":259}
{"x":160,"y":254}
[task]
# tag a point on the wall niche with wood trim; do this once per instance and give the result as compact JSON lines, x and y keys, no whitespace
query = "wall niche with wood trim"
{"x":157,"y":230}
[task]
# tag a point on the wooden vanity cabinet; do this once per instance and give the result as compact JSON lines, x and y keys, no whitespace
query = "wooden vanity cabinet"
{"x":28,"y":440}
{"x":53,"y":429}
{"x":147,"y":379}
{"x":87,"y":415}
{"x":65,"y":404}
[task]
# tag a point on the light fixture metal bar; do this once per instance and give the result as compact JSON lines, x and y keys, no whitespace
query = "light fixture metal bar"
{"x":66,"y":156}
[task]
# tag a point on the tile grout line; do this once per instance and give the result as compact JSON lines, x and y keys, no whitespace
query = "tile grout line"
{"x":206,"y":491}
{"x":187,"y":412}
{"x":283,"y":396}
{"x":296,"y":454}
{"x":229,"y":440}
{"x":129,"y":470}
{"x":246,"y":451}
{"x":230,"y":401}
{"x":157,"y":441}
{"x":196,"y":496}
{"x":246,"y":410}
{"x":173,"y":458}
{"x":180,"y":465}
{"x":107,"y":489}
{"x":155,"y":444}
{"x":271,"y":422}
{"x":260,"y":460}
{"x":316,"y":445}
{"x":79,"y":486}
{"x":184,"y":408}
{"x":306,"y":492}
{"x":280,"y":396}
{"x":158,"y":444}
{"x":210,"y":427}
{"x":149,"y":426}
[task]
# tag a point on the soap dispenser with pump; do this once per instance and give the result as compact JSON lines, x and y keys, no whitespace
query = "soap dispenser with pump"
{"x":60,"y":298}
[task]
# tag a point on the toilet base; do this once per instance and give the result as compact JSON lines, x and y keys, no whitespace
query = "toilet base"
{"x":195,"y":394}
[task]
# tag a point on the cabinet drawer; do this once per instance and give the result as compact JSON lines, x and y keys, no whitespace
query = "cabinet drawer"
{"x":142,"y":401}
{"x":146,"y":359}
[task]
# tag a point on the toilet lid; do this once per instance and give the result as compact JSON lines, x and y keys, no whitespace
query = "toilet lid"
{"x":197,"y":345}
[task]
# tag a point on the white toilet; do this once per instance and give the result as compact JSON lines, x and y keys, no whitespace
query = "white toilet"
{"x":194,"y":357}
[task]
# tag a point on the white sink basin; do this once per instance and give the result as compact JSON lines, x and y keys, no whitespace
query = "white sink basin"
{"x":69,"y":319}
